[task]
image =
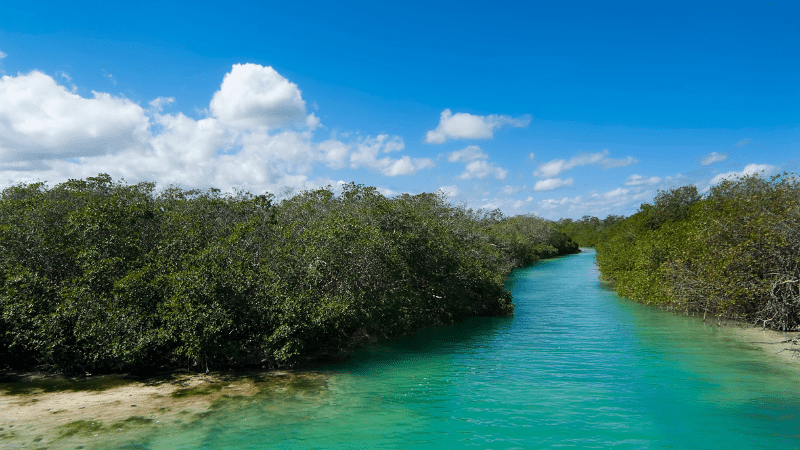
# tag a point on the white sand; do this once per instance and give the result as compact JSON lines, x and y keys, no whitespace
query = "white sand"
{"x":38,"y":419}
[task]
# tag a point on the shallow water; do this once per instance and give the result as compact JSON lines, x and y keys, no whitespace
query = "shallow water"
{"x":576,"y":366}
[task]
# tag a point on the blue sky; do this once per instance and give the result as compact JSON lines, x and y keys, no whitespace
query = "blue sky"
{"x":556,"y":110}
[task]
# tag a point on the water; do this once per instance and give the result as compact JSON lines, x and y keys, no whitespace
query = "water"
{"x":576,"y":367}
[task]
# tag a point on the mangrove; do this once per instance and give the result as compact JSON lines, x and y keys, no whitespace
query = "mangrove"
{"x":101,"y":276}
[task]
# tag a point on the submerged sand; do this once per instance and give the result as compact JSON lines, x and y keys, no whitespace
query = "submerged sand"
{"x":39,"y":412}
{"x":784,"y":346}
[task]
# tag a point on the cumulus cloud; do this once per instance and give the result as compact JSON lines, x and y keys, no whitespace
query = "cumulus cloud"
{"x":254,"y":96}
{"x":257,"y":136}
{"x":40,"y":119}
{"x":552,"y":184}
{"x":557,"y":166}
{"x":468,"y":126}
{"x":483,"y":169}
{"x":467,"y":154}
{"x":750,"y":169}
{"x":638,"y":180}
{"x":335,"y":153}
{"x":368,"y":149}
{"x":3,"y":55}
{"x":712,"y":158}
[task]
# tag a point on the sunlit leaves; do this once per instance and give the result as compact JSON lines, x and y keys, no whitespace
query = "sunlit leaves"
{"x":100,"y":275}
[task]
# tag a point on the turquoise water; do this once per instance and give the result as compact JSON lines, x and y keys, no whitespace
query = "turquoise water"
{"x":576,"y":367}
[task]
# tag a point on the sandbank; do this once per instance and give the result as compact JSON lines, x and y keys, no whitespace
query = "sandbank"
{"x":52,"y":412}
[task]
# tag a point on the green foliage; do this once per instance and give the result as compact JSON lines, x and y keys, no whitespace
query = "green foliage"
{"x":735,"y":252}
{"x":587,"y":231}
{"x":97,"y":275}
{"x":672,"y":205}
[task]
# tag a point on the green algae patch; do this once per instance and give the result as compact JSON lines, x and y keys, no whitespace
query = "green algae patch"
{"x":131,"y":422}
{"x":7,"y":434}
{"x":199,"y":390}
{"x":82,"y":427}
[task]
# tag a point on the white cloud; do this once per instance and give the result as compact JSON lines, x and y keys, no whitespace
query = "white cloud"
{"x":312,"y":121}
{"x":388,"y":192}
{"x":481,"y":170}
{"x":555,"y":167}
{"x":450,"y":191}
{"x":638,"y":180}
{"x":49,"y":133}
{"x":3,"y":55}
{"x":406,"y":166}
{"x":521,"y":203}
{"x":254,"y":96}
{"x":158,"y":103}
{"x":616,"y":193}
{"x":468,"y":126}
{"x":467,"y":154}
{"x":610,"y":163}
{"x":40,"y":119}
{"x":531,"y":156}
{"x":508,"y":190}
{"x":368,"y":149}
{"x":712,"y":158}
{"x":552,"y":203}
{"x":599,"y":204}
{"x":750,"y":169}
{"x":334,"y":153}
{"x":552,"y":184}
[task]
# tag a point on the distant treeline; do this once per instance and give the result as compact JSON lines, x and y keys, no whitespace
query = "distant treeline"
{"x":589,"y":230}
{"x":734,"y":252}
{"x":98,"y":275}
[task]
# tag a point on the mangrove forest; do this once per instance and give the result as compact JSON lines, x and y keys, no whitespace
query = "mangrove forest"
{"x":100,"y":275}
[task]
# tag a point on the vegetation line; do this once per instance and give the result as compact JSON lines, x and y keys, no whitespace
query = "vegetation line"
{"x":734,"y":252}
{"x":102,"y":276}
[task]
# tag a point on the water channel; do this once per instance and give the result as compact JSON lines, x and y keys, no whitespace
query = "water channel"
{"x":576,"y":367}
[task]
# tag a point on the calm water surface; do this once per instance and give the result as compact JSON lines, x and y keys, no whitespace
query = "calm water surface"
{"x":576,"y":367}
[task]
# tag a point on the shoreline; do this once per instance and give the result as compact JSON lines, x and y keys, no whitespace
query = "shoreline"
{"x":50,"y":411}
{"x":101,"y":411}
{"x":777,"y":343}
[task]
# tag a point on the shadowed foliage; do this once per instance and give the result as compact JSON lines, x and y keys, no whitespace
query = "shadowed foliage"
{"x":100,"y":276}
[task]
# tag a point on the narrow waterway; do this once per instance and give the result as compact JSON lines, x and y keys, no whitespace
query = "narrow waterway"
{"x":576,"y":367}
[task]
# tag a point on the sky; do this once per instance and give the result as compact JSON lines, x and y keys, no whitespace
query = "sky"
{"x":558,"y":110}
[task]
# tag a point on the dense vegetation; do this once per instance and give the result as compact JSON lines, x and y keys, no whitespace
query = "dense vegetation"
{"x":97,"y":275}
{"x":589,"y":230}
{"x":734,"y":252}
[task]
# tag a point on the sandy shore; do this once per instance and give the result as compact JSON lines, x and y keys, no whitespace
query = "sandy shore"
{"x":38,"y":412}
